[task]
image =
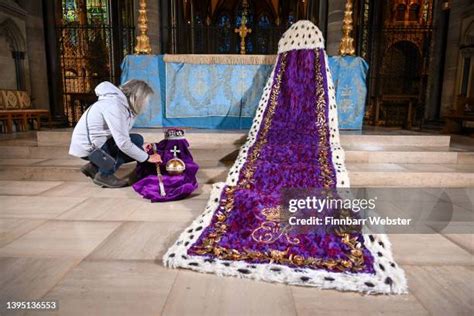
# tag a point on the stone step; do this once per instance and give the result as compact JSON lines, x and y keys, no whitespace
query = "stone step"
{"x":201,"y":138}
{"x":225,"y":155}
{"x":361,"y":174}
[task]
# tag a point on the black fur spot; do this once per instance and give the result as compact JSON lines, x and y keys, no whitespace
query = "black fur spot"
{"x":184,"y":257}
{"x":389,"y":281}
{"x":209,"y":260}
{"x":379,"y":254}
{"x":186,"y":243}
{"x":305,"y":278}
{"x":244,"y":271}
{"x":171,"y":255}
{"x":190,"y":230}
{"x":191,"y":237}
{"x":226,"y":264}
{"x":369,"y":284}
{"x":382,"y":267}
{"x":275,"y":269}
{"x":392,"y":264}
{"x":198,"y":228}
{"x":328,"y":279}
{"x":381,"y":244}
{"x":195,"y":264}
{"x":372,"y":239}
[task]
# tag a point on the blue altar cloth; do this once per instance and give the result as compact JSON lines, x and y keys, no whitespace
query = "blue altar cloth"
{"x":222,"y":96}
{"x":149,"y":68}
{"x":349,"y":74}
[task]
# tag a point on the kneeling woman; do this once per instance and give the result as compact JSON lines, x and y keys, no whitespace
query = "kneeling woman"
{"x":106,"y":124}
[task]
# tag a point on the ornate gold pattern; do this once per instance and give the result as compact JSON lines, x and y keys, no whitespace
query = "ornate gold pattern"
{"x":270,"y":229}
{"x":321,"y":104}
{"x":355,"y":259}
{"x":143,"y":41}
{"x":347,"y":42}
{"x":243,"y":31}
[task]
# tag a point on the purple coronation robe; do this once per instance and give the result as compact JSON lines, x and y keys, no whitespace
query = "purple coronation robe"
{"x":293,"y":144}
{"x":176,"y":186}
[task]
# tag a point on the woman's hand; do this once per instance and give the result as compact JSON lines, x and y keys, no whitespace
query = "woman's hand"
{"x":147,"y":147}
{"x":155,"y":158}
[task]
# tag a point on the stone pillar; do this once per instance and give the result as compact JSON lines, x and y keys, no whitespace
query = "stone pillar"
{"x":460,"y":10}
{"x":37,"y":74}
{"x":19,"y":58}
{"x":437,"y":61}
{"x":334,"y":30}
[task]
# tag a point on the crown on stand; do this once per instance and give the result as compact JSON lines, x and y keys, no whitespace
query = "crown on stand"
{"x":174,"y":133}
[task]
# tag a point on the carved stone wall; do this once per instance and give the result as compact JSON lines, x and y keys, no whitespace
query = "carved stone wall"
{"x":462,"y":11}
{"x":21,"y":38}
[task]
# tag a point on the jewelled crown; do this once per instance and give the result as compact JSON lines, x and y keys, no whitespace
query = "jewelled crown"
{"x":174,"y":133}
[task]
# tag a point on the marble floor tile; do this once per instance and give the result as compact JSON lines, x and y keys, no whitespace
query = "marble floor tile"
{"x":465,"y":241}
{"x":206,"y":294}
{"x":443,"y":290}
{"x":60,"y":240}
{"x":89,"y":189}
{"x":19,"y":161}
{"x":36,"y":207}
{"x":26,"y":187}
{"x":434,"y":210}
{"x":151,"y":215}
{"x":62,"y":162}
{"x":24,"y":279}
{"x":374,"y":167}
{"x":113,"y":288}
{"x":138,"y":241}
{"x":13,"y":228}
{"x":311,"y":301}
{"x":102,"y":209}
{"x":428,"y":249}
{"x":426,"y":167}
{"x":177,"y":211}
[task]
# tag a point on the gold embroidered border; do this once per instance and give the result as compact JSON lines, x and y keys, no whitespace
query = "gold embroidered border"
{"x":355,"y":259}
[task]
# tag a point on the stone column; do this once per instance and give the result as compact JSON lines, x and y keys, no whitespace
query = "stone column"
{"x":334,"y":30}
{"x":459,"y":11}
{"x":19,"y":58}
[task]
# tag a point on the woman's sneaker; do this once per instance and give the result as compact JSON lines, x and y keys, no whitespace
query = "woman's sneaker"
{"x":109,"y":181}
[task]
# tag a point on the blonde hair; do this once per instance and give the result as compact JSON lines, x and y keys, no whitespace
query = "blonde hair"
{"x":137,"y":93}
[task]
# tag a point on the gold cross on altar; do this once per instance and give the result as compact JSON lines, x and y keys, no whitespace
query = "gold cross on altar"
{"x":243,"y":31}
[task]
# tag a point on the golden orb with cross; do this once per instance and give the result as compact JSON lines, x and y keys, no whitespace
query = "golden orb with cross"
{"x":175,"y":166}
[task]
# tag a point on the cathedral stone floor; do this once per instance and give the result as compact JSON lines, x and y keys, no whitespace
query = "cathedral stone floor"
{"x":98,"y":251}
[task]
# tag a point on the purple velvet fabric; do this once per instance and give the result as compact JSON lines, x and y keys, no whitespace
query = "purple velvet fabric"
{"x":291,"y":157}
{"x":178,"y":186}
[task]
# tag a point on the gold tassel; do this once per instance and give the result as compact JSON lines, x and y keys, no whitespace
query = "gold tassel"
{"x":221,"y":59}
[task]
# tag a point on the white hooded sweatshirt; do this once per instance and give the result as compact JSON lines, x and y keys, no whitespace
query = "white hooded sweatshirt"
{"x":109,"y":117}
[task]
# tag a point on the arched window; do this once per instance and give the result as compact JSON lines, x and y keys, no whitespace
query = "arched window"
{"x":263,"y":34}
{"x":224,"y":29}
{"x":414,"y":13}
{"x":400,"y":12}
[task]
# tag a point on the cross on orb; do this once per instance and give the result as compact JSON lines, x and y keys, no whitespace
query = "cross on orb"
{"x":175,"y":151}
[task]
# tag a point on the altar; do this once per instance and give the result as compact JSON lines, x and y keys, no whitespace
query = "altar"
{"x":223,"y":91}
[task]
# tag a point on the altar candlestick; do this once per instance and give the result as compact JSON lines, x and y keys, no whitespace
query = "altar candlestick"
{"x":143,"y":41}
{"x":347,"y":42}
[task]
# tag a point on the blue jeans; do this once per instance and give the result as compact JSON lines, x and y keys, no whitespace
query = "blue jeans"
{"x":120,"y":158}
